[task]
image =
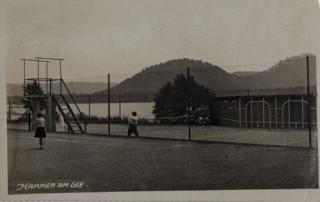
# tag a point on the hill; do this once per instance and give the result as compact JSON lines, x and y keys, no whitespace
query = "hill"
{"x":288,"y":73}
{"x":152,"y":78}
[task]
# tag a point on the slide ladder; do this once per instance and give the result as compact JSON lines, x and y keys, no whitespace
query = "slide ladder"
{"x":73,"y":117}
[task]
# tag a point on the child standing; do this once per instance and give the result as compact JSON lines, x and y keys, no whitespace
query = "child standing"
{"x":133,"y":124}
{"x":40,"y":126}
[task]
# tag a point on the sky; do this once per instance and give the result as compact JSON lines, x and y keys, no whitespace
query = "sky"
{"x":121,"y":37}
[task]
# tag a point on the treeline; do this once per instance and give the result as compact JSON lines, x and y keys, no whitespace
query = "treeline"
{"x":114,"y":98}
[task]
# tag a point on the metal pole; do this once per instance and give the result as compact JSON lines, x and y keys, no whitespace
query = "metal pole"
{"x":240,"y":111}
{"x":120,"y":106}
{"x":89,"y":106}
{"x":302,"y":112}
{"x":289,"y":113}
{"x":24,"y":73}
{"x":251,"y":111}
{"x":29,"y":118}
{"x":38,"y":63}
{"x":46,"y":77}
{"x":9,"y":111}
{"x":189,"y":107}
{"x":60,"y":65}
{"x":108,"y":104}
{"x":309,"y":103}
{"x":50,"y":87}
{"x":263,"y":113}
{"x":276,"y":111}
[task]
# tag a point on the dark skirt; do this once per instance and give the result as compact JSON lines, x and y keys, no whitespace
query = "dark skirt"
{"x":133,"y":129}
{"x":40,"y":132}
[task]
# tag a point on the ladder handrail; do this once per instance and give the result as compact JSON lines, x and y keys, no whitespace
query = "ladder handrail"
{"x":71,"y":111}
{"x":62,"y":113}
{"x":75,"y":103}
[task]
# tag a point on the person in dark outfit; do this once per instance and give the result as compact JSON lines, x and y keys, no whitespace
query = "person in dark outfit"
{"x":40,"y":129}
{"x":133,"y":124}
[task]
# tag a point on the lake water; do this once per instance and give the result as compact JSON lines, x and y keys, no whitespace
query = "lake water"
{"x":144,"y":110}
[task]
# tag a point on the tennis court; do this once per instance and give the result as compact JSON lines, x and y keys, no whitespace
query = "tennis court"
{"x":258,"y":136}
{"x":139,"y":164}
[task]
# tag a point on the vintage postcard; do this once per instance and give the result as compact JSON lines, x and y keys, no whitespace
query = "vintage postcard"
{"x":160,"y":100}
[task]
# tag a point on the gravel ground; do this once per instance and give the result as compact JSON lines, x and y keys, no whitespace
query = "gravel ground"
{"x":87,"y":163}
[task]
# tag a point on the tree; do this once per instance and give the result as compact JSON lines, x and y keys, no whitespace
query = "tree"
{"x":33,"y":88}
{"x":172,"y":98}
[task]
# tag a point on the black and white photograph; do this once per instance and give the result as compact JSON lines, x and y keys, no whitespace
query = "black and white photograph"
{"x":161,"y":95}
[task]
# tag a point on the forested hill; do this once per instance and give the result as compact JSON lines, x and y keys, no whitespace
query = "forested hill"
{"x":288,"y":73}
{"x":152,"y":78}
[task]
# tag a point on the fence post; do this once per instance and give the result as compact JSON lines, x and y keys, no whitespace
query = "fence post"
{"x":120,"y":106}
{"x":38,"y":65}
{"x":46,"y":77}
{"x":50,"y":86}
{"x":263,"y":119}
{"x":302,"y":112}
{"x":89,"y":107}
{"x":60,"y":65}
{"x":108,"y":104}
{"x":309,"y":102}
{"x":240,"y":111}
{"x":289,"y":113}
{"x":276,"y":111}
{"x":251,"y":111}
{"x":9,"y":110}
{"x":189,"y":107}
{"x":24,"y":75}
{"x":29,"y":118}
